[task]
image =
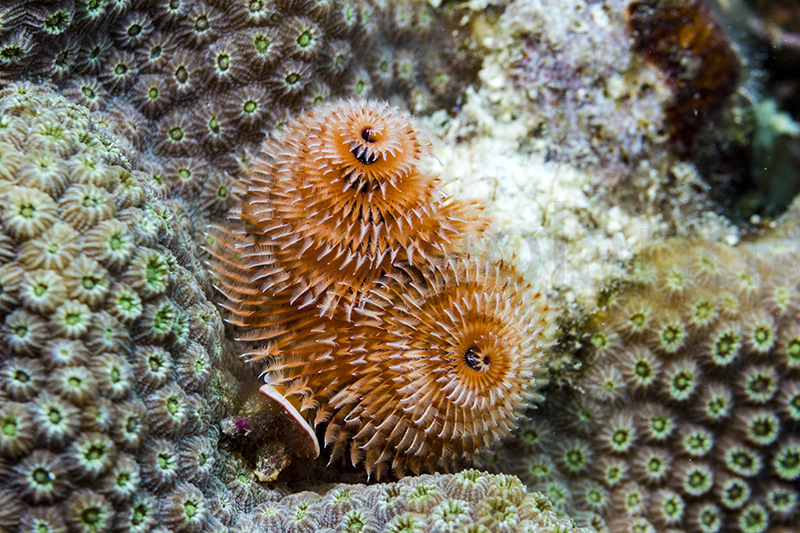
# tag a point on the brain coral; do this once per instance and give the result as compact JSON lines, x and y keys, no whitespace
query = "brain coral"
{"x":687,"y":415}
{"x":110,"y":352}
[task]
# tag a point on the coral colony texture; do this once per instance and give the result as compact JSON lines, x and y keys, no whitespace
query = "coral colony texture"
{"x":108,"y":395}
{"x":169,"y":165}
{"x":113,"y":373}
{"x":468,"y":501}
{"x":351,"y":265}
{"x":567,"y":141}
{"x":686,"y":413}
{"x":195,"y":85}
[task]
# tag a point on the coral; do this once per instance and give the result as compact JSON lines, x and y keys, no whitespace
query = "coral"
{"x":426,"y":503}
{"x":115,"y":379}
{"x":697,"y":423}
{"x":98,"y":285}
{"x":78,"y":414}
{"x":144,"y":65}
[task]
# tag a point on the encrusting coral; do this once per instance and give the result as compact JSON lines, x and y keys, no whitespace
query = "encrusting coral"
{"x":105,"y":366}
{"x":467,"y":501}
{"x":686,"y":415}
{"x":202,"y":81}
{"x":352,"y":267}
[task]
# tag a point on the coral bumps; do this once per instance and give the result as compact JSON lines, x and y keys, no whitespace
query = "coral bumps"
{"x":195,"y":85}
{"x":107,"y":399}
{"x":350,"y":268}
{"x":688,"y":411}
{"x":467,"y":501}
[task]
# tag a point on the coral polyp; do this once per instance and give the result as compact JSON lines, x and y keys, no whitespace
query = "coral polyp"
{"x":705,"y":427}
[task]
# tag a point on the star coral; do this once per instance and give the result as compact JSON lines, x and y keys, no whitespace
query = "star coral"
{"x":104,"y":366}
{"x":687,"y":403}
{"x":218,"y":75}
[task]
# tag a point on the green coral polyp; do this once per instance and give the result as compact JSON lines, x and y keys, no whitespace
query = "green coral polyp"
{"x":575,"y":458}
{"x":698,"y":480}
{"x":633,"y":500}
{"x":262,"y":44}
{"x":540,"y":469}
{"x":213,"y":126}
{"x":250,"y":107}
{"x":305,"y":39}
{"x":672,"y":508}
{"x":762,"y":337}
{"x":56,"y":23}
{"x":656,"y":467}
{"x":763,"y":429}
{"x":129,"y":305}
{"x":725,"y":348}
{"x":175,"y":134}
{"x":698,"y":443}
{"x":182,"y":75}
{"x":223,"y":62}
{"x":164,"y":319}
{"x":718,"y":406}
{"x":754,"y":519}
{"x":596,"y":497}
{"x":174,"y":406}
{"x":792,"y":404}
{"x":682,"y":384}
{"x":703,"y":312}
{"x":735,"y":493}
{"x":792,"y":352}
{"x":9,"y":426}
{"x":743,"y":462}
{"x":644,"y":372}
{"x":621,"y":439}
{"x":760,"y":386}
{"x":661,"y":426}
{"x":614,"y":473}
{"x":782,"y":501}
{"x":786,"y":462}
{"x":12,"y":53}
{"x":709,"y":519}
